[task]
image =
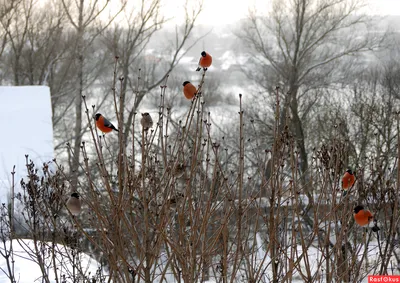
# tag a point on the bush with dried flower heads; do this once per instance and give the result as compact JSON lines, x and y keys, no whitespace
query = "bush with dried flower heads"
{"x":181,"y":203}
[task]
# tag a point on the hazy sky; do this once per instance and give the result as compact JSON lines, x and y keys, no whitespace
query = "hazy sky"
{"x":218,"y":12}
{"x":385,"y":7}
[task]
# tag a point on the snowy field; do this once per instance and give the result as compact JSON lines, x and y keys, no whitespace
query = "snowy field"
{"x":27,"y":270}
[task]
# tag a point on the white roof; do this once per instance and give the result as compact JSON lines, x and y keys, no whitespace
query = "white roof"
{"x":26,"y":117}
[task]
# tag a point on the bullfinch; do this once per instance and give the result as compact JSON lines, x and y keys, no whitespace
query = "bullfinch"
{"x":347,"y":181}
{"x":362,"y":216}
{"x":103,"y":124}
{"x":189,"y":90}
{"x":205,"y":61}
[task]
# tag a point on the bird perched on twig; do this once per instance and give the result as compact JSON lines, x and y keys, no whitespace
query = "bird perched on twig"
{"x":146,"y":121}
{"x":362,"y":216}
{"x":189,"y":90}
{"x":347,"y":181}
{"x":103,"y":124}
{"x":205,"y":61}
{"x":74,"y":204}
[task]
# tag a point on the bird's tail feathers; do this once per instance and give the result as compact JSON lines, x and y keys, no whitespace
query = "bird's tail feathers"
{"x":375,"y":228}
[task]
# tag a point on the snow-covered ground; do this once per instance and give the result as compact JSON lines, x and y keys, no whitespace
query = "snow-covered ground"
{"x":27,"y":270}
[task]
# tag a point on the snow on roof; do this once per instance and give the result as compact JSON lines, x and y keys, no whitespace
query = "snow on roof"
{"x":229,"y":58}
{"x":27,"y":129}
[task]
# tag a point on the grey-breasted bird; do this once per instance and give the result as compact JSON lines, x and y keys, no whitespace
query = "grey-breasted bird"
{"x":146,"y":121}
{"x":74,"y":204}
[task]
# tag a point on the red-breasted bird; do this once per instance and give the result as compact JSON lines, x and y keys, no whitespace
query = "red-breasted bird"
{"x":103,"y":124}
{"x":347,"y":181}
{"x":205,"y":61}
{"x":189,"y":90}
{"x":74,"y":204}
{"x":146,"y":121}
{"x":362,"y":216}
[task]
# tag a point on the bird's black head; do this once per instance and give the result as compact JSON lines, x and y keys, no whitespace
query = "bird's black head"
{"x":97,"y":116}
{"x":185,"y":83}
{"x":145,"y":114}
{"x":203,"y":54}
{"x":75,"y":195}
{"x":349,"y":171}
{"x":358,"y":208}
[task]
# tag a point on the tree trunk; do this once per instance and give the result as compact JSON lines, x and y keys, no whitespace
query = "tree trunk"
{"x":78,"y":102}
{"x":297,"y":128}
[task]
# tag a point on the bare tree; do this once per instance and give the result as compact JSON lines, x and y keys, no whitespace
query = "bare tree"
{"x":16,"y":29}
{"x":8,"y":8}
{"x":83,"y":17}
{"x":298,"y":44}
{"x":35,"y":41}
{"x":127,"y":40}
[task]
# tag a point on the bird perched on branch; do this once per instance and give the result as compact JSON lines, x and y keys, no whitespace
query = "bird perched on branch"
{"x":347,"y":181}
{"x":103,"y":124}
{"x":74,"y":204}
{"x":189,"y":90}
{"x":146,"y":121}
{"x":205,"y":61}
{"x":362,"y":216}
